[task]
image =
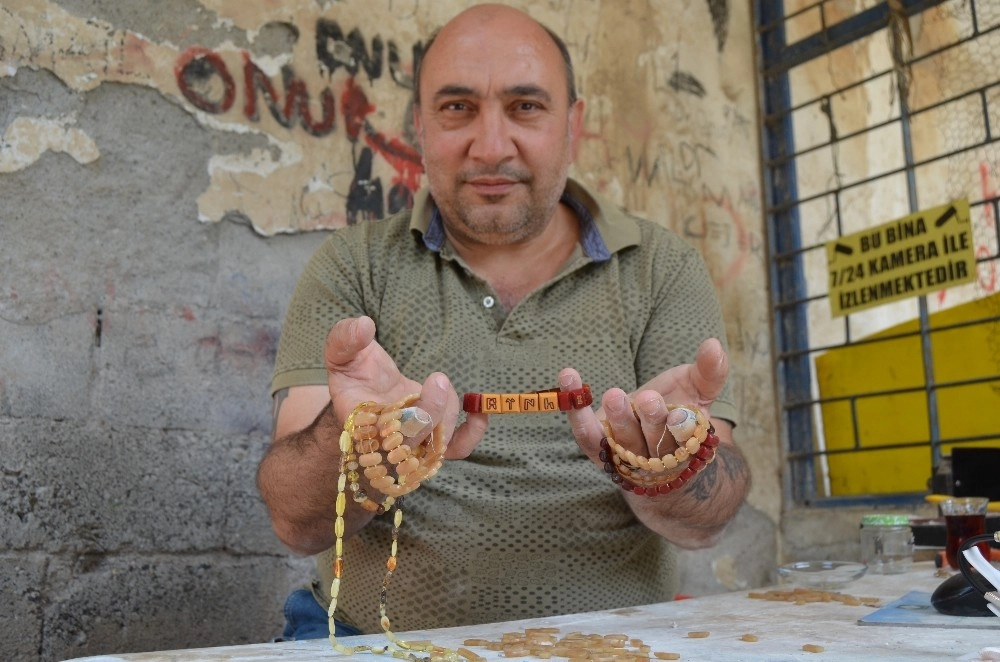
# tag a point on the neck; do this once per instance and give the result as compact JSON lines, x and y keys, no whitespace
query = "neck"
{"x":515,"y":270}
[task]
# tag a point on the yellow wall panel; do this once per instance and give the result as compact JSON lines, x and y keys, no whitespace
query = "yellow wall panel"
{"x":963,"y":353}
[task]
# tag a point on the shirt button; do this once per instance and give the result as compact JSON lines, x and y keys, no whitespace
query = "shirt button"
{"x":488,"y":302}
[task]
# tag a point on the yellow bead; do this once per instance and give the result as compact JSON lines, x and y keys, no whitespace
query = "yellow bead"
{"x":341,"y":503}
{"x":398,"y":519}
{"x":345,"y":442}
{"x":338,"y":527}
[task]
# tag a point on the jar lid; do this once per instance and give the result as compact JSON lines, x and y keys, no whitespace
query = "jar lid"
{"x":882,"y":519}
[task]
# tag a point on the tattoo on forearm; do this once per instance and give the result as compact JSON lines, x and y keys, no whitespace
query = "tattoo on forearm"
{"x":734,"y":464}
{"x":727,"y":460}
{"x":702,"y":488}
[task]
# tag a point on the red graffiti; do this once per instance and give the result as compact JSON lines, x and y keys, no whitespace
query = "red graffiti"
{"x":199,"y":72}
{"x":735,"y":267}
{"x":355,"y":106}
{"x":198,"y":67}
{"x":296,"y":106}
{"x":194,"y":70}
{"x":404,"y":159}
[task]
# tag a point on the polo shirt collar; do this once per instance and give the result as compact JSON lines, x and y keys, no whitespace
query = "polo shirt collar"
{"x":605,"y":230}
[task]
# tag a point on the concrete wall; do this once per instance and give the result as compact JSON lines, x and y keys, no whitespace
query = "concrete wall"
{"x":159,"y":200}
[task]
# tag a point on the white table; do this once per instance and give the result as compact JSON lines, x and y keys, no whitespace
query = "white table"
{"x":782,"y":629}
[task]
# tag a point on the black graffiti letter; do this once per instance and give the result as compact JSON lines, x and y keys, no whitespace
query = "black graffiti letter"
{"x":333,"y":50}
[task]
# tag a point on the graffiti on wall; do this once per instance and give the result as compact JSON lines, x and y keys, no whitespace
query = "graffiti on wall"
{"x":331,"y":111}
{"x":206,"y":82}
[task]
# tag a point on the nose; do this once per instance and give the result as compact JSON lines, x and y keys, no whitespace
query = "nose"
{"x":493,"y":137}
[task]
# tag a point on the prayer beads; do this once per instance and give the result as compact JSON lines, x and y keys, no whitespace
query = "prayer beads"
{"x":536,"y":402}
{"x":392,"y":468}
{"x":696,"y":444}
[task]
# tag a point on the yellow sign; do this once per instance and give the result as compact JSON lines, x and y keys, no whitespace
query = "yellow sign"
{"x":920,"y":253}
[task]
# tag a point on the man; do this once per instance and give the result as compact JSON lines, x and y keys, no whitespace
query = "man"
{"x":506,"y":277}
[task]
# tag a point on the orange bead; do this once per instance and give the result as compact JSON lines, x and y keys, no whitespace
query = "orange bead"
{"x":510,"y":403}
{"x":548,"y":401}
{"x":370,"y":459}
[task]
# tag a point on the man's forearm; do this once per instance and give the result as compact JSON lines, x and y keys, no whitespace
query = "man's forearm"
{"x":297,"y":479}
{"x":695,"y":516}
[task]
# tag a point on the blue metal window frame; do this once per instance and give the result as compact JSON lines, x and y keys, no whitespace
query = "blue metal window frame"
{"x":783,"y":229}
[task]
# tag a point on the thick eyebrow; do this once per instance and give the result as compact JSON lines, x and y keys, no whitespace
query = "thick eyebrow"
{"x":527,"y":90}
{"x":449,"y":91}
{"x":532,"y":91}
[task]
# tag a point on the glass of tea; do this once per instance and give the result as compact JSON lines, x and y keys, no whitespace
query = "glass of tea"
{"x":964,"y":517}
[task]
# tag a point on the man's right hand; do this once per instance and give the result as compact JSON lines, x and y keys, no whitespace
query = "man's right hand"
{"x":297,"y":477}
{"x":359,"y":370}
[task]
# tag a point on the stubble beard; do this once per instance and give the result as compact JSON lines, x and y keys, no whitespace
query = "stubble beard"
{"x":494,"y":221}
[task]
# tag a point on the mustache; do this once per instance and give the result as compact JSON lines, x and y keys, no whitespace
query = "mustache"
{"x":506,"y":171}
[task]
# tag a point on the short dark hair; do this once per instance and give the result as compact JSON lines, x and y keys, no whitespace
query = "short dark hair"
{"x":560,"y":44}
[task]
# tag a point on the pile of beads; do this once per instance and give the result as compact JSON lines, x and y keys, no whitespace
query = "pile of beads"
{"x":544,"y":643}
{"x":696,"y":444}
{"x":801,"y":596}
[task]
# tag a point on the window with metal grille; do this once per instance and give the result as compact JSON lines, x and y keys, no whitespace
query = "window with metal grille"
{"x":874,"y":112}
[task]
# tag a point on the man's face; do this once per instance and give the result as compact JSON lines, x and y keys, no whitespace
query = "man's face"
{"x":496,"y":128}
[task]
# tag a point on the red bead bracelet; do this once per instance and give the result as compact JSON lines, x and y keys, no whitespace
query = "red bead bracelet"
{"x":651,"y":477}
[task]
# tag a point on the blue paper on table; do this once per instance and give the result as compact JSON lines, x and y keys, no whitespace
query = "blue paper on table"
{"x":914,"y":609}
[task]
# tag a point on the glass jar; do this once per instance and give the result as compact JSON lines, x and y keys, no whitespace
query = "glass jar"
{"x":886,"y":543}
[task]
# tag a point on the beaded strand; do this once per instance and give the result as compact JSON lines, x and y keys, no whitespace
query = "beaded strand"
{"x":696,"y":448}
{"x":370,"y":430}
{"x":535,"y":402}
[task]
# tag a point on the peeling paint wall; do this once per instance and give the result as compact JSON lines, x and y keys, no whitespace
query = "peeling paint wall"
{"x":164,"y":168}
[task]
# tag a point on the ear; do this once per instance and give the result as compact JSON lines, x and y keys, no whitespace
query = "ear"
{"x":575,"y":127}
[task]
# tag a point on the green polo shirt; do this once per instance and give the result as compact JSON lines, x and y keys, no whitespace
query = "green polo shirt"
{"x":526,"y":526}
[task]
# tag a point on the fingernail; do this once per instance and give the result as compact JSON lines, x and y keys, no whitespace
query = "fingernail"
{"x":620,"y":404}
{"x":650,"y":407}
{"x":565,"y":380}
